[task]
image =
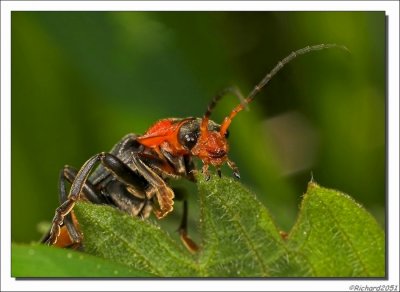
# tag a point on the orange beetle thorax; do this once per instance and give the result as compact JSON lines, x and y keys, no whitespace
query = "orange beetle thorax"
{"x":164,"y":134}
{"x":211,"y":148}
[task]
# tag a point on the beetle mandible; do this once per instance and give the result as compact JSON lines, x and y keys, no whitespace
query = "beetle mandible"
{"x":134,"y":175}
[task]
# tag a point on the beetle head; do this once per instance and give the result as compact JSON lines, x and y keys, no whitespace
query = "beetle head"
{"x":207,"y":140}
{"x":211,"y":146}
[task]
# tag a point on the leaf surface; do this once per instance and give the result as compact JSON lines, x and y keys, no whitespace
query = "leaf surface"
{"x":333,"y":237}
{"x":239,"y":236}
{"x":137,"y":243}
{"x":337,"y":236}
{"x":44,"y":261}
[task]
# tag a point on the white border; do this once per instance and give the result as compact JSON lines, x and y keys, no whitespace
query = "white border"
{"x":10,"y":284}
{"x":201,"y":5}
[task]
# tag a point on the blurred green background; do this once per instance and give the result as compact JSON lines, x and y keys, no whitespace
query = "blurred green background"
{"x":82,"y":80}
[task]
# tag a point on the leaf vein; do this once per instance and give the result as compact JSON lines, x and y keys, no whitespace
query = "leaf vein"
{"x":344,"y":234}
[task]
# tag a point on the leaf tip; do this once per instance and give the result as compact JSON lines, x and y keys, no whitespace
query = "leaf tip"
{"x":312,"y":185}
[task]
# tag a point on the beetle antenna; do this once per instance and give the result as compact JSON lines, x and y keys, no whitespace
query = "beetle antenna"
{"x":268,"y":77}
{"x":233,"y":90}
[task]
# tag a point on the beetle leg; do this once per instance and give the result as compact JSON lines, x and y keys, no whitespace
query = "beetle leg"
{"x":187,"y":241}
{"x":164,"y":194}
{"x":235,"y":169}
{"x":121,"y":171}
{"x":69,"y":173}
{"x":127,"y":200}
{"x":65,"y":208}
{"x":158,"y":164}
{"x":180,"y":195}
{"x":172,"y":166}
{"x":144,"y":184}
{"x":219,"y":172}
{"x":176,"y":161}
{"x":205,"y":172}
{"x":190,"y":168}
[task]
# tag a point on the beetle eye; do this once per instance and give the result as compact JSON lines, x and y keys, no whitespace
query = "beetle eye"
{"x":190,"y":140}
{"x":188,"y":134}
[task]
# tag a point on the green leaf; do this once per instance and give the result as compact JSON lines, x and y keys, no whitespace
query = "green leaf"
{"x":333,"y":237}
{"x":44,"y":261}
{"x":137,"y":243}
{"x":337,"y":236}
{"x":239,"y":237}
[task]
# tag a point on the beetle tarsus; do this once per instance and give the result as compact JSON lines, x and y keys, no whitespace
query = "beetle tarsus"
{"x":205,"y":172}
{"x":235,"y":169}
{"x":188,"y":242}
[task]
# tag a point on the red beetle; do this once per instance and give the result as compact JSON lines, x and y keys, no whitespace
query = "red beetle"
{"x":134,"y":175}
